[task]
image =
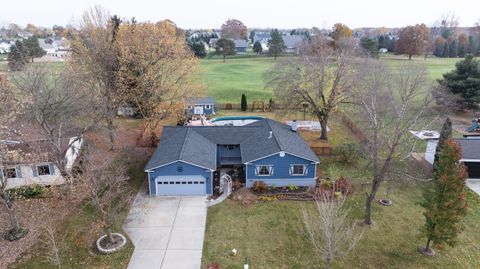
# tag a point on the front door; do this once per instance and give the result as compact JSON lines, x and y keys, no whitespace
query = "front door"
{"x":198,"y":110}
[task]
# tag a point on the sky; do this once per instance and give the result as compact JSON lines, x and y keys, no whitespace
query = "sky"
{"x":194,"y":14}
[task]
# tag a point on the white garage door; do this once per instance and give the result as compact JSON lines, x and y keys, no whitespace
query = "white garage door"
{"x":181,"y":185}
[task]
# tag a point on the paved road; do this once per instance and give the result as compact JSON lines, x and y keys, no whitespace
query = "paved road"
{"x":167,"y":232}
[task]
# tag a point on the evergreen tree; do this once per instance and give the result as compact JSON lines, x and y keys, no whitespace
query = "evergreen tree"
{"x":252,"y":36}
{"x":198,"y":49}
{"x":464,"y":81}
{"x":225,"y":47}
{"x":243,"y":103}
{"x":16,"y":58}
{"x":445,"y":202}
{"x":453,"y":49}
{"x":445,"y":134}
{"x":257,"y":47}
{"x":370,"y":46}
{"x":275,"y":44}
{"x":32,"y":48}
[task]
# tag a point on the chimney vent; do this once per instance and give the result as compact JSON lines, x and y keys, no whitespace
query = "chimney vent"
{"x":270,"y":135}
{"x":294,"y":125}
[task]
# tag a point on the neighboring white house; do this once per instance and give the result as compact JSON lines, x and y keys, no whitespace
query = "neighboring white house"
{"x":292,"y":43}
{"x":383,"y":50}
{"x":5,"y":47}
{"x":54,"y":47}
{"x":36,"y":166}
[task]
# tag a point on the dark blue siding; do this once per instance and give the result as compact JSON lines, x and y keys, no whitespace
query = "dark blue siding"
{"x":281,"y":171}
{"x":206,"y":111}
{"x":187,"y":169}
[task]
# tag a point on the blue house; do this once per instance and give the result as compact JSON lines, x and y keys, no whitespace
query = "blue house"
{"x":190,"y":160}
{"x":200,"y":106}
{"x":241,"y":45}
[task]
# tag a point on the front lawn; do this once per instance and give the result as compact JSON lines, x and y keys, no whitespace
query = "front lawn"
{"x":272,"y":235}
{"x":77,"y":235}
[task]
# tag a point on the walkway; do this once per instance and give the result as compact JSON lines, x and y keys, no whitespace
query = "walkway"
{"x":167,"y":232}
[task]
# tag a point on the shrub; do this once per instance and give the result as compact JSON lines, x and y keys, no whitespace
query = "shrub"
{"x":30,"y":191}
{"x":259,"y":186}
{"x":343,"y":186}
{"x":334,"y":189}
{"x":348,"y":152}
{"x":292,"y":187}
{"x":243,"y":103}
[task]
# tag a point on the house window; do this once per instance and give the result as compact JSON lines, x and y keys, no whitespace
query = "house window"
{"x":264,"y":170}
{"x":207,"y":106}
{"x":10,"y":172}
{"x":298,"y":170}
{"x":189,"y":107}
{"x":231,"y":146}
{"x":43,"y":170}
{"x":179,"y":169}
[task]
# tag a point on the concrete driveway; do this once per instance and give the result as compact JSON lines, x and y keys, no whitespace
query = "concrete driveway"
{"x":167,"y":232}
{"x":474,"y":185}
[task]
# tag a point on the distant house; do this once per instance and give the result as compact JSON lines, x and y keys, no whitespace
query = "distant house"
{"x":5,"y":47}
{"x":201,"y":106}
{"x":470,"y":154}
{"x":383,"y":50}
{"x":36,"y":162}
{"x":213,"y":42}
{"x":54,"y":47}
{"x":191,"y":160}
{"x":292,"y":43}
{"x":241,"y":45}
{"x":261,"y":37}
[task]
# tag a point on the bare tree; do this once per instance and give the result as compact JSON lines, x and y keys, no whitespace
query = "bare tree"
{"x":61,"y":110}
{"x":52,"y":243}
{"x":330,"y":230}
{"x":104,"y":179}
{"x":320,"y":77}
{"x":390,"y":104}
{"x":8,"y":114}
{"x":94,"y":58}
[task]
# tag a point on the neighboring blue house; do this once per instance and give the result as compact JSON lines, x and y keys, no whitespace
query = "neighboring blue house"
{"x":200,"y":106}
{"x":190,"y":160}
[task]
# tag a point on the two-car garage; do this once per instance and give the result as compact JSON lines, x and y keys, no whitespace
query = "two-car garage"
{"x":180,"y":185}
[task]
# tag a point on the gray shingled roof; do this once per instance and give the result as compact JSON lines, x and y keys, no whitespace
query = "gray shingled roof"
{"x":292,"y":41}
{"x":240,"y":43}
{"x":470,"y":148}
{"x":207,"y":100}
{"x":197,"y":144}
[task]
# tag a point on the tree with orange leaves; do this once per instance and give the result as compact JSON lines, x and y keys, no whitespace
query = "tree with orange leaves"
{"x":413,"y":40}
{"x":445,"y":202}
{"x":157,"y":70}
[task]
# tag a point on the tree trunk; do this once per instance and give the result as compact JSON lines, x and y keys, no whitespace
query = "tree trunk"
{"x":409,"y":56}
{"x":11,"y":214}
{"x":428,"y":244}
{"x":110,"y":238}
{"x":224,"y":56}
{"x":369,"y":200}
{"x":323,"y":120}
{"x":111,"y":132}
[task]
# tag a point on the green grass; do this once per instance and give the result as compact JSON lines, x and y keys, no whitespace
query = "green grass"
{"x":272,"y":234}
{"x":227,"y":81}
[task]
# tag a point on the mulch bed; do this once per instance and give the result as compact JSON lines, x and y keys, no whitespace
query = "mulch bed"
{"x":300,"y":194}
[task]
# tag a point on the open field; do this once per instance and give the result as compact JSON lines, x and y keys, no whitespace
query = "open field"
{"x":227,"y":81}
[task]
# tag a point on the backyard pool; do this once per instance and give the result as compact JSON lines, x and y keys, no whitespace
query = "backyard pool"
{"x":234,"y":120}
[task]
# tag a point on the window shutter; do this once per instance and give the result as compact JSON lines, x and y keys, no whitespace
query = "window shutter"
{"x":18,"y":169}
{"x":290,"y":171}
{"x":271,"y":170}
{"x":34,"y":170}
{"x":52,"y":169}
{"x":305,"y":169}
{"x":257,"y":170}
